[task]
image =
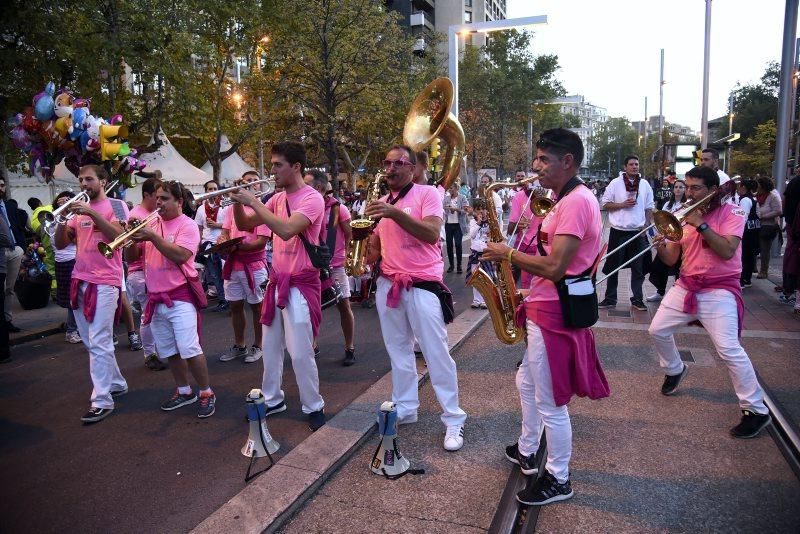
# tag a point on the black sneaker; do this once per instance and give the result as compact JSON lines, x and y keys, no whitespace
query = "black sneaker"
{"x":752,"y":423}
{"x":671,"y":382}
{"x":349,"y":357}
{"x":153,"y":363}
{"x":638,"y":304}
{"x":278,"y":408}
{"x":525,"y":463}
{"x":316,"y":420}
{"x":316,"y":352}
{"x":450,"y":269}
{"x":177,"y":400}
{"x":95,"y":415}
{"x":607,"y":303}
{"x":545,"y":490}
{"x":206,"y":406}
{"x":119,"y":392}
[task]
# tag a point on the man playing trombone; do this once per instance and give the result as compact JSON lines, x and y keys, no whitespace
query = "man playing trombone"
{"x":708,"y":290}
{"x":173,"y":309}
{"x":95,"y":287}
{"x":628,"y":199}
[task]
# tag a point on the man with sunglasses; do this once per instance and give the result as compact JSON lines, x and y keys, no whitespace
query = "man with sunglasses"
{"x":292,"y":309}
{"x":95,"y":289}
{"x":560,"y":360}
{"x":410,"y":292}
{"x":708,"y":290}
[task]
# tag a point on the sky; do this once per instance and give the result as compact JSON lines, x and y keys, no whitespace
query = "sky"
{"x":609,"y":50}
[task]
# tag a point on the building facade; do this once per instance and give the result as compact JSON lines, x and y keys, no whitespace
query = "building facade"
{"x":590,"y":116}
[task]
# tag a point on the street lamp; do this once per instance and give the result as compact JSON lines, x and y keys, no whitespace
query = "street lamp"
{"x":257,"y":68}
{"x":486,"y":27}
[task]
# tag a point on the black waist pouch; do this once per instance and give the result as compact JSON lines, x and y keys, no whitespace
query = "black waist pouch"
{"x":578,"y":298}
{"x":443,"y":294}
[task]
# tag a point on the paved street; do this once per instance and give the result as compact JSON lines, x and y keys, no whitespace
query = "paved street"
{"x":143,"y":469}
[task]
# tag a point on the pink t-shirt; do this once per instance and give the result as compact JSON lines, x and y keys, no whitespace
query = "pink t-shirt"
{"x":520,"y":207}
{"x":162,"y":275}
{"x":403,"y":253}
{"x":139,"y":212}
{"x":577,"y":214}
{"x":90,"y":264}
{"x":698,"y":258}
{"x":228,"y":223}
{"x":338,"y":255}
{"x":291,"y":256}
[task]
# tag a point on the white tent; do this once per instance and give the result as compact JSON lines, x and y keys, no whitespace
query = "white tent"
{"x":23,"y":186}
{"x":232,"y":167}
{"x":173,"y":166}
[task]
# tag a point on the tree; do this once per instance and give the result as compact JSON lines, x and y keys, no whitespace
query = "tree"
{"x":759,"y":151}
{"x":499,"y":85}
{"x":612,"y":142}
{"x":348,"y":63}
{"x":755,"y":104}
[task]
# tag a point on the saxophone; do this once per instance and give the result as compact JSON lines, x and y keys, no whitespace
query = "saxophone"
{"x":359,"y":244}
{"x":499,"y":291}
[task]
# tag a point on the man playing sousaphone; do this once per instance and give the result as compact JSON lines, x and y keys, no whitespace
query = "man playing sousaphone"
{"x":561,"y":359}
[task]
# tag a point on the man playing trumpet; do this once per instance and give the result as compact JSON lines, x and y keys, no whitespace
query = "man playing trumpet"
{"x":708,"y":290}
{"x":172,"y":309}
{"x":95,"y":288}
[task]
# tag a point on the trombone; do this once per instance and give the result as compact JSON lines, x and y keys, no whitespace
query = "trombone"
{"x":54,"y":218}
{"x":124,"y":240}
{"x":199,"y":199}
{"x":670,"y":225}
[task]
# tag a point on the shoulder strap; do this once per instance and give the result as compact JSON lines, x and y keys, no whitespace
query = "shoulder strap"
{"x":333,"y":222}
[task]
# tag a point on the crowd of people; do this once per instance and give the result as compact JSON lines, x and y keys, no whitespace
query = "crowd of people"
{"x":276,"y":256}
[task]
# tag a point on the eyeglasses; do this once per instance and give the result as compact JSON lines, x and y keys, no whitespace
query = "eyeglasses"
{"x":395,"y":162}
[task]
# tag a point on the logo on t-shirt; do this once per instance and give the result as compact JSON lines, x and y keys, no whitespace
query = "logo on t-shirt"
{"x":171,"y":238}
{"x":739,"y":211}
{"x":86,"y":223}
{"x":407,"y":210}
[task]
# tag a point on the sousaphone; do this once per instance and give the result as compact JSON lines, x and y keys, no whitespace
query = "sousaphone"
{"x":430,"y":118}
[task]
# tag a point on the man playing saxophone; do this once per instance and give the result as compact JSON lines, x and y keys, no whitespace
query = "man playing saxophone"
{"x":411,"y":298}
{"x":561,"y":360}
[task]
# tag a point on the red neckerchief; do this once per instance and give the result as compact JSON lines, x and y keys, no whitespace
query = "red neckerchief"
{"x":631,"y":185}
{"x":211,"y":213}
{"x":762,"y":197}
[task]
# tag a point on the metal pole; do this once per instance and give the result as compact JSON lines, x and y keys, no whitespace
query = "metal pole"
{"x":784,"y":95}
{"x":645,"y":116}
{"x":452,"y":65}
{"x":706,"y":65}
{"x":661,"y":109}
{"x":730,"y":131}
{"x":530,"y":141}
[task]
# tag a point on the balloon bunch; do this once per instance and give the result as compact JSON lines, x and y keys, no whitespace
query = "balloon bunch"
{"x":59,"y":126}
{"x":32,"y":267}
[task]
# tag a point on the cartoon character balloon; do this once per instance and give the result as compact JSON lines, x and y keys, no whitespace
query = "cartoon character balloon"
{"x":43,"y":103}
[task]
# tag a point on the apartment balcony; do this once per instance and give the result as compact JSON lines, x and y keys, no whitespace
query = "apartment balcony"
{"x":420,"y":20}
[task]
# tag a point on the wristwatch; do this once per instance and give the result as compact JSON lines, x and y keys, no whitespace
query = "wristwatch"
{"x":702,"y":228}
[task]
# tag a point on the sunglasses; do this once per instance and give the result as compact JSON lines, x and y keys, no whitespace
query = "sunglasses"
{"x":387,"y":163}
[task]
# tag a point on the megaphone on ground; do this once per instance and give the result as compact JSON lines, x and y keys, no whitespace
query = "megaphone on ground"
{"x":387,"y":460}
{"x":259,"y":442}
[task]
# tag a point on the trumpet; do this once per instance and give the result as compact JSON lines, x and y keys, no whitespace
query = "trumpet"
{"x":61,"y":215}
{"x":199,"y":199}
{"x":124,"y":240}
{"x":670,"y":225}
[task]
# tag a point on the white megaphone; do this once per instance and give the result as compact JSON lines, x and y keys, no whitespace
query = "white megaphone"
{"x":387,"y":459}
{"x":259,"y":443}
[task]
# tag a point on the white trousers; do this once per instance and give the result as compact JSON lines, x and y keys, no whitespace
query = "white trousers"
{"x":716,"y":309}
{"x":98,"y":338}
{"x":535,"y":387}
{"x":137,"y":292}
{"x":476,"y":295}
{"x":175,"y":330}
{"x":418,"y":314}
{"x":291,"y":330}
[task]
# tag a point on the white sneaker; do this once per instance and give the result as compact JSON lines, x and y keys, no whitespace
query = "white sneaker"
{"x":253,"y":355}
{"x":72,"y":337}
{"x":454,"y":438}
{"x":655,"y":297}
{"x":233,"y":353}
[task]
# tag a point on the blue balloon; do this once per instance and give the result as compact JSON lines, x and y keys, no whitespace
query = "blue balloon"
{"x":43,"y":103}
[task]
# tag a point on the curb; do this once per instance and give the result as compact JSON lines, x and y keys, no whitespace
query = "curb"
{"x":36,"y":334}
{"x":271,"y":499}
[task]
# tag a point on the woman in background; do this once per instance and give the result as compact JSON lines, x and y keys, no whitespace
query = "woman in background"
{"x":769,"y":211}
{"x":659,"y":272}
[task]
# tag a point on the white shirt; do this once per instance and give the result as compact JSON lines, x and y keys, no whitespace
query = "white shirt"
{"x":632,"y":218}
{"x":209,"y":234}
{"x":746,"y":204}
{"x":478,"y":235}
{"x":358,"y":207}
{"x":452,"y":216}
{"x":62,"y":255}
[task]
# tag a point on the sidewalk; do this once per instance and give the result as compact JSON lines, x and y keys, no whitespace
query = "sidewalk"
{"x":35,"y":324}
{"x":641,"y":461}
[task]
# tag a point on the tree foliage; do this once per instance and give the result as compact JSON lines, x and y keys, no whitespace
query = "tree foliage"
{"x":755,"y":104}
{"x":499,"y":84}
{"x":758,"y":154}
{"x":612,"y":141}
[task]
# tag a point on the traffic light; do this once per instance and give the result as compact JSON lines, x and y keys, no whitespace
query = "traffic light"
{"x":698,"y":156}
{"x":112,"y":145}
{"x":435,"y":146}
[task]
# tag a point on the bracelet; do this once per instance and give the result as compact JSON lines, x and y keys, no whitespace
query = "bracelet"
{"x":702,"y":228}
{"x":510,"y":252}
